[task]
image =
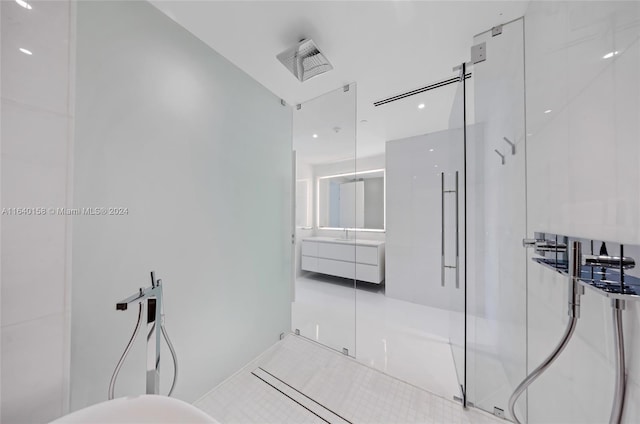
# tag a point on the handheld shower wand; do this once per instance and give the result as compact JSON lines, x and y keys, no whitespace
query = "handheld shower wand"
{"x":151,"y":297}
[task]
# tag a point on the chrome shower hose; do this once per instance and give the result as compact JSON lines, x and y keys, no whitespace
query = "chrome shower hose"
{"x":568,"y":332}
{"x":114,"y":376}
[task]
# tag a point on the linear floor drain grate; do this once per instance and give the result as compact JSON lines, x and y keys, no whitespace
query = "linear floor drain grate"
{"x":300,"y":398}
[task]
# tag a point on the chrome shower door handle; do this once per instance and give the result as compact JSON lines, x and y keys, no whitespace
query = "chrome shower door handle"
{"x":443,"y":265}
{"x":457,"y":235}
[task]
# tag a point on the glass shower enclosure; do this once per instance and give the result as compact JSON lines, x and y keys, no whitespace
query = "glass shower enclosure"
{"x":442,"y":304}
{"x":425,"y":240}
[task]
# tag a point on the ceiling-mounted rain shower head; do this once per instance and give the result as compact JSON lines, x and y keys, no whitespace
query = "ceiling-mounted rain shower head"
{"x":305,"y":60}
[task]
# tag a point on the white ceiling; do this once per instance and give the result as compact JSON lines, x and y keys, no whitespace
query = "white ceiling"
{"x":385,"y":47}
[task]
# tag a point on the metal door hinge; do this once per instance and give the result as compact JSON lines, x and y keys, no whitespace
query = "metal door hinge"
{"x":496,"y":30}
{"x":461,"y":401}
{"x":479,"y":53}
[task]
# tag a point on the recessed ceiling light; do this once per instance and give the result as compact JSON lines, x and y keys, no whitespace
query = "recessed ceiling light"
{"x":25,"y":51}
{"x":421,"y":106}
{"x":435,"y":166}
{"x":610,"y":54}
{"x":547,"y":111}
{"x":315,"y":136}
{"x":24,"y":4}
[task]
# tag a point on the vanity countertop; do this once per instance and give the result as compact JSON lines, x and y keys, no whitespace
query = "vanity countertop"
{"x":356,"y":241}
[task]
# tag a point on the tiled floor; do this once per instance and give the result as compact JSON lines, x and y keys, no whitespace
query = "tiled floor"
{"x":355,"y":392}
{"x":405,"y":340}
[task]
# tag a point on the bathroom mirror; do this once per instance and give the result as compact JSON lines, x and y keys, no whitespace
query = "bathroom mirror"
{"x":352,"y":200}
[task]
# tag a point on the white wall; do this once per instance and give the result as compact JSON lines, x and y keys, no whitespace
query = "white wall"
{"x":583,"y":180}
{"x":37,"y":121}
{"x":200,"y":154}
{"x":374,"y":202}
{"x":414,"y":217}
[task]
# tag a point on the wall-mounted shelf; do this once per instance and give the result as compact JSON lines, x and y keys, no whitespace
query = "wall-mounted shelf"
{"x":606,"y":283}
{"x":613,"y":283}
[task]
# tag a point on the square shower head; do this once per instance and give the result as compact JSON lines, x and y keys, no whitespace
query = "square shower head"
{"x":305,"y":60}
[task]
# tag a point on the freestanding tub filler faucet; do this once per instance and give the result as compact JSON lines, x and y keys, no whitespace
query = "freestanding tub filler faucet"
{"x":149,"y":298}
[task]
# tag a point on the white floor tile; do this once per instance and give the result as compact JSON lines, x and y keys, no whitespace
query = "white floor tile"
{"x":406,"y":340}
{"x":356,"y":392}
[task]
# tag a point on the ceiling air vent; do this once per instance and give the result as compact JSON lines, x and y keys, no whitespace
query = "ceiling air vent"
{"x":305,"y":60}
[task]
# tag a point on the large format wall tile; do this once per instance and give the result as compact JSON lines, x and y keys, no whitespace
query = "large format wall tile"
{"x":41,"y":78}
{"x":32,"y":371}
{"x":34,"y":175}
{"x":35,"y":148}
{"x":582,"y":62}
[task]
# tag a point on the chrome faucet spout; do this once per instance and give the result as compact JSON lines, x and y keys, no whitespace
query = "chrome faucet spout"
{"x":142,"y":295}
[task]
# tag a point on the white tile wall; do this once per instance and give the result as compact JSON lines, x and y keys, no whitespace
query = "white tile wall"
{"x":583,"y":180}
{"x":34,"y":164}
{"x":40,"y":79}
{"x":32,"y":371}
{"x":36,"y":122}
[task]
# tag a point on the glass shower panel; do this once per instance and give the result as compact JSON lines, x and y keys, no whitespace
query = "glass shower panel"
{"x":200,"y":158}
{"x":403,"y":314}
{"x":496,"y":213}
{"x":328,"y":211}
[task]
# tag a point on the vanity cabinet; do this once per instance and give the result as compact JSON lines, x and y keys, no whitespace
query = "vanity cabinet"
{"x":359,"y":259}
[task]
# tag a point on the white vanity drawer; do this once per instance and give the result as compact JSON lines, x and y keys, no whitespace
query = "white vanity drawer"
{"x":309,"y":264}
{"x":340,"y":251}
{"x":309,"y":248}
{"x":369,"y":273}
{"x":367,"y":255}
{"x":364,"y":262}
{"x":339,"y":268}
